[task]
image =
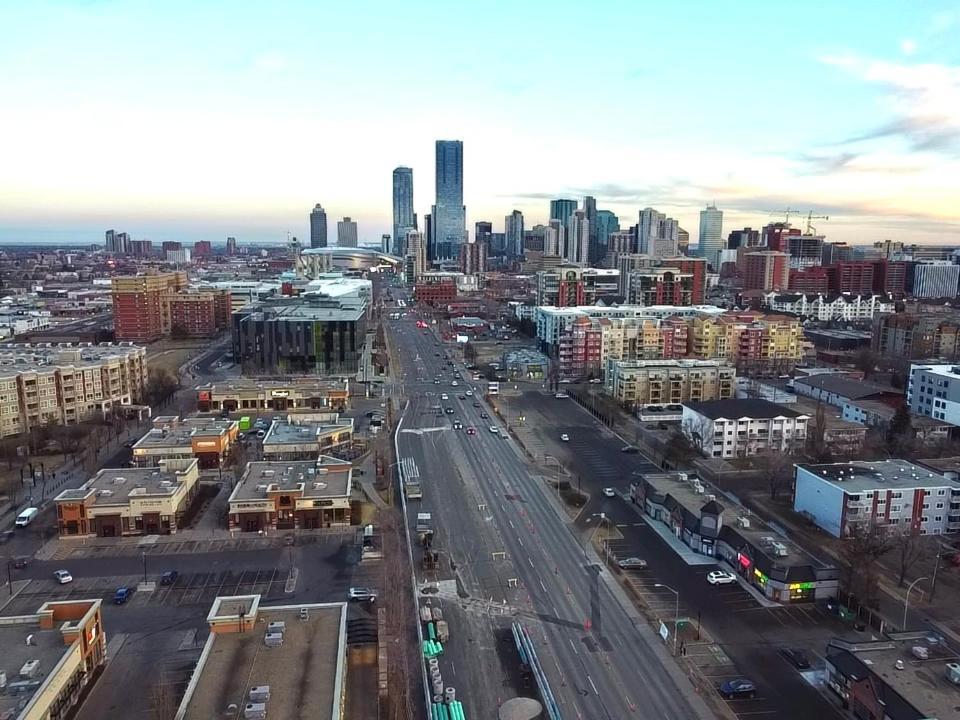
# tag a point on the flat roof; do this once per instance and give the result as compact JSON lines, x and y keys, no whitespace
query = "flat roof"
{"x":283,"y":433}
{"x":115,"y":486}
{"x":861,"y":475}
{"x":325,"y":477}
{"x":47,"y":649}
{"x":844,"y":386}
{"x":18,"y":358}
{"x":947,"y":370}
{"x":182,"y":432}
{"x":922,"y":684}
{"x":292,"y":384}
{"x":303,"y":673}
{"x":733,"y":409}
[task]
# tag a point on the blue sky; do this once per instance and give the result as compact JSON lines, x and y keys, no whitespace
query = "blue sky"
{"x":186,"y":120}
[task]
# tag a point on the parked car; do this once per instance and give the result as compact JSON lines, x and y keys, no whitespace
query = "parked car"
{"x":62,"y":576}
{"x":798,"y":658}
{"x":632,"y":562}
{"x":609,"y":492}
{"x":564,"y":437}
{"x":21,"y":562}
{"x":561,"y":396}
{"x":721,"y":577}
{"x":739,"y":688}
{"x":121,"y":596}
{"x":629,"y":450}
{"x":361,"y":594}
{"x":6,"y":536}
{"x":169,"y":577}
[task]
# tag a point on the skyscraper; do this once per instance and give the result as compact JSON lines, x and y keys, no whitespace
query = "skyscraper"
{"x":483,"y":232}
{"x":403,"y":217}
{"x":683,"y":241}
{"x":428,"y":237}
{"x":231,"y":246}
{"x":553,"y":238}
{"x":318,"y":227}
{"x":561,"y":209}
{"x":607,"y":223}
{"x":513,"y":229}
{"x":657,"y":235}
{"x":346,"y":233}
{"x":385,"y":243}
{"x":118,"y":243}
{"x":577,"y":238}
{"x":710,"y":242}
{"x":417,"y":249}
{"x":449,"y":213}
{"x":590,"y":210}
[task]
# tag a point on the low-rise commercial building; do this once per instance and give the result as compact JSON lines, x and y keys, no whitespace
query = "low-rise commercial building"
{"x":279,"y":396}
{"x":713,"y":525}
{"x":307,"y":440}
{"x":292,"y":495}
{"x":50,"y":658}
{"x":889,"y":493}
{"x":740,"y":428}
{"x":207,"y":440}
{"x":129,"y":501}
{"x":280,"y":659}
{"x":634,"y":383}
{"x":837,"y":389}
{"x":65,"y":384}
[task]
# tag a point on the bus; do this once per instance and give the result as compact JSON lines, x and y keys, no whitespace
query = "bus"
{"x":245,"y":423}
{"x":493,"y":388}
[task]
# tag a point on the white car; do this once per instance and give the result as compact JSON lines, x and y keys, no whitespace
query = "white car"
{"x":469,"y":393}
{"x":561,"y":396}
{"x":632,"y":562}
{"x":444,"y":396}
{"x":493,"y":429}
{"x":721,"y":577}
{"x":565,"y":437}
{"x":63,"y":577}
{"x":361,"y":594}
{"x":609,"y":492}
{"x":454,"y":383}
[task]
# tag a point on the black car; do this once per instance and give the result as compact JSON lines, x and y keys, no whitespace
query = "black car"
{"x":797,"y":658}
{"x":449,"y":411}
{"x":629,"y":449}
{"x":169,"y":577}
{"x":740,"y":688}
{"x":6,"y":536}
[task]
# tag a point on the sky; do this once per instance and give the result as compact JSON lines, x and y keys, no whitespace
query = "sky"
{"x":197,"y":120}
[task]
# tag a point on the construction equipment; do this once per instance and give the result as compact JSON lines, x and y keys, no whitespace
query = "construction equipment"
{"x":811,"y":230}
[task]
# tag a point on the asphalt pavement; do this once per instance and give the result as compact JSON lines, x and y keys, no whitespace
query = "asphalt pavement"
{"x":600,"y":657}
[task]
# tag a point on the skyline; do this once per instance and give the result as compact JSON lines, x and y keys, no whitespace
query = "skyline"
{"x":111,"y":135}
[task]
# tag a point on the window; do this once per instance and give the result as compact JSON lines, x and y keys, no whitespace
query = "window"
{"x":941,"y":491}
{"x":895,"y":508}
{"x":939,"y":506}
{"x":938,"y":518}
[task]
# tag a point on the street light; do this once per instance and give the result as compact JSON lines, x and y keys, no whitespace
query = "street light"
{"x":143,"y":556}
{"x":906,"y":601}
{"x":676,"y":613}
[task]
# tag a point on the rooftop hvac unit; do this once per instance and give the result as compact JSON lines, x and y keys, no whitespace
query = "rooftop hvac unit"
{"x":119,"y":480}
{"x":261,"y":487}
{"x":743,"y":522}
{"x":30,"y":669}
{"x":953,"y":673}
{"x":106,"y":492}
{"x":260,"y":694}
{"x":920,"y":652}
{"x":255,"y":711}
{"x":780,"y":550}
{"x":277,"y":626}
{"x":273,"y":639}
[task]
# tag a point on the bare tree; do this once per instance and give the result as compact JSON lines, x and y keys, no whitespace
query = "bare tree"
{"x":699,"y":431}
{"x":861,"y":551}
{"x":908,"y":548}
{"x":777,"y":470}
{"x":866,"y":361}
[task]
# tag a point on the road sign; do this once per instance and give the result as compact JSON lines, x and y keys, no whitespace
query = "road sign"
{"x":664,"y":631}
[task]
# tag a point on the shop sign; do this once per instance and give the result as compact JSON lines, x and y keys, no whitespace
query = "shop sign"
{"x":279,"y":393}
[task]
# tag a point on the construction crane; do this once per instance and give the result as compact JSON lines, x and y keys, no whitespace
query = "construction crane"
{"x":810,"y":216}
{"x":786,"y":213}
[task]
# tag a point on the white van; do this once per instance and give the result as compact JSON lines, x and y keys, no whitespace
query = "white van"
{"x":26,"y":517}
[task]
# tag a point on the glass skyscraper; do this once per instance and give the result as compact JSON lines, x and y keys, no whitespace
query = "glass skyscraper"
{"x":403,"y":217}
{"x":710,"y":243}
{"x":449,"y":214}
{"x":318,"y":227}
{"x":561,"y":209}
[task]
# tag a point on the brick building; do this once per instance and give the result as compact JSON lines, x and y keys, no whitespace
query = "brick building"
{"x":579,"y":350}
{"x":440,"y":292}
{"x":810,"y":281}
{"x":766,"y":271}
{"x":141,"y":309}
{"x":199,"y":314}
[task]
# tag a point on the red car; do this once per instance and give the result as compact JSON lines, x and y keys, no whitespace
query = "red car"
{"x":471,"y":431}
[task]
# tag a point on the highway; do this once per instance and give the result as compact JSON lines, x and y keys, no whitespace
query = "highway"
{"x":599,"y":655}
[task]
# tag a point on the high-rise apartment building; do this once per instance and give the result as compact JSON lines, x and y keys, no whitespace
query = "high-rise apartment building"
{"x":935,"y":279}
{"x":449,"y":213}
{"x":318,"y":227}
{"x":141,"y":248}
{"x":473,"y":257}
{"x":231,"y":246}
{"x":577,"y":238}
{"x":766,"y":270}
{"x":416,"y":249}
{"x":347,"y":233}
{"x":513,"y":229}
{"x":710,"y":242}
{"x":141,"y":309}
{"x":117,"y":242}
{"x":553,"y":238}
{"x":403,"y":217}
{"x":775,"y":236}
{"x":199,"y":314}
{"x":202,"y":248}
{"x":657,"y":235}
{"x":618,"y":243}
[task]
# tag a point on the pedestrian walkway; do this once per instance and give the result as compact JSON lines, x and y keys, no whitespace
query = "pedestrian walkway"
{"x":685,"y":553}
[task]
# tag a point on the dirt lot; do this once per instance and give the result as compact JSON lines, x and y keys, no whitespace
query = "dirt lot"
{"x":169,"y":355}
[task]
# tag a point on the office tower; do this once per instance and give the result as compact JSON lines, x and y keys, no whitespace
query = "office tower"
{"x":473,"y":257}
{"x":385,"y":244}
{"x":417,"y":249}
{"x":577,"y":238}
{"x":748,"y":237}
{"x":449,"y":213}
{"x":710,"y":241}
{"x":775,"y":236}
{"x":590,"y":210}
{"x":403,"y":216}
{"x":513,"y":229}
{"x":934,"y":279}
{"x":553,"y":238}
{"x":533,"y":239}
{"x":561,"y":209}
{"x":683,"y":241}
{"x":835,"y":252}
{"x":619,"y":243}
{"x":318,"y":227}
{"x":657,"y":235}
{"x":607,"y":223}
{"x":666,"y":242}
{"x":231,"y":246}
{"x":346,"y":233}
{"x":767,"y":270}
{"x":202,"y":248}
{"x":428,"y":237}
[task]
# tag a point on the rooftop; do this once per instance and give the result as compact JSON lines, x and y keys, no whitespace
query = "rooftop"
{"x":304,"y":673}
{"x":281,"y":433}
{"x":327,"y":477}
{"x":310,"y":307}
{"x":860,"y":475}
{"x":299,"y":383}
{"x":919,"y":684}
{"x":838,"y":384}
{"x":948,"y":370}
{"x":23,"y":357}
{"x":115,"y":486}
{"x":741,"y":408}
{"x":179,"y":433}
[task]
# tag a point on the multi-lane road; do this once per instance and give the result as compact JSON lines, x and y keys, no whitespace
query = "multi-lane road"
{"x":508,"y":553}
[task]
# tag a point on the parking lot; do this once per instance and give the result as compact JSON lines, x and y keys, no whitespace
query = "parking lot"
{"x":188,"y":547}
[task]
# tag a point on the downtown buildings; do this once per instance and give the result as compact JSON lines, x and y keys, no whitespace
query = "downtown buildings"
{"x":149,"y":307}
{"x":448,"y":216}
{"x":318,"y":228}
{"x":711,"y":243}
{"x":347,"y":233}
{"x":404,"y":219}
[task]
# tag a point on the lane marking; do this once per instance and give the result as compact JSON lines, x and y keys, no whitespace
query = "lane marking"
{"x":596,"y":692}
{"x":543,"y":586}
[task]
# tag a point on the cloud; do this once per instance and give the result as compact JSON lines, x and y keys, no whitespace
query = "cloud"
{"x":271,"y":62}
{"x":923,"y":100}
{"x":908,"y":46}
{"x":855,"y":162}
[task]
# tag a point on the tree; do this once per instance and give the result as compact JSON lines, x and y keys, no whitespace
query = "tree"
{"x":179,"y":332}
{"x":776,"y":468}
{"x":908,"y":548}
{"x":697,"y":430}
{"x":900,"y":434}
{"x":469,"y":352}
{"x":679,"y":450}
{"x":861,"y":550}
{"x":866,"y":361}
{"x":817,"y":448}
